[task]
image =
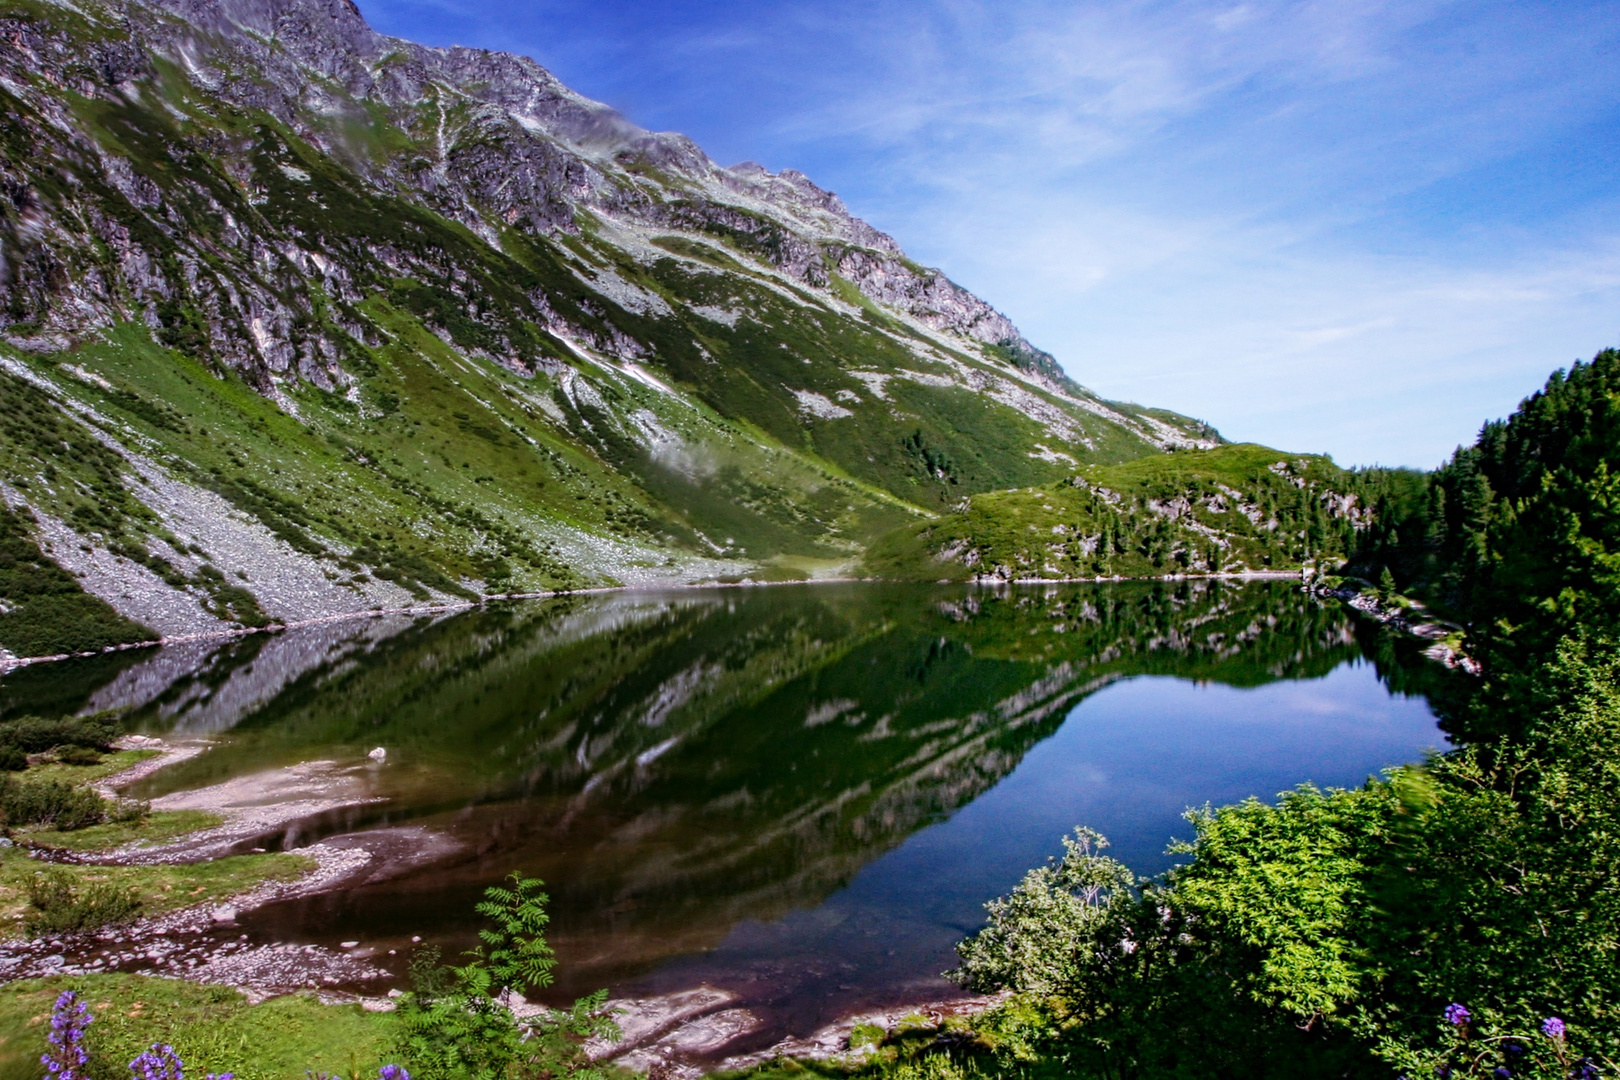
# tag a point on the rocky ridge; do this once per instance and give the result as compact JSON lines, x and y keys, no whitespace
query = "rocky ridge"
{"x":496,"y":337}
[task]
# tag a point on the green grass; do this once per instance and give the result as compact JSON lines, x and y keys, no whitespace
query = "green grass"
{"x":159,"y":888}
{"x":47,"y":612}
{"x":1233,"y":509}
{"x":110,"y":764}
{"x":151,"y":829}
{"x":213,"y":1028}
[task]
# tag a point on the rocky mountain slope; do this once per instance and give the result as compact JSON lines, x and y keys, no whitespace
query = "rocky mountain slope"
{"x":297,"y":319}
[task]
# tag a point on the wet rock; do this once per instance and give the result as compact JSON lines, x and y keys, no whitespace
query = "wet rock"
{"x":643,"y":1020}
{"x":698,"y":1038}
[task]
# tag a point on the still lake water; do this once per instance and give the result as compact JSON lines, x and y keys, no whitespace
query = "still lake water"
{"x":803,"y":794}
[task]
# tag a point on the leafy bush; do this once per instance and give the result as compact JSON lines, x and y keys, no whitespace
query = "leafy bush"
{"x":60,"y":905}
{"x":1331,"y":932}
{"x":51,"y":802}
{"x":77,"y":755}
{"x":12,"y":759}
{"x":34,"y":735}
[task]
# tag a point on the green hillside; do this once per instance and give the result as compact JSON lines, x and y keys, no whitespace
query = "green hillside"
{"x":1235,"y":509}
{"x":449,"y":331}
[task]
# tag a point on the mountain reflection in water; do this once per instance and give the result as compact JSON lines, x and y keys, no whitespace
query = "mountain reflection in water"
{"x":802,"y":793}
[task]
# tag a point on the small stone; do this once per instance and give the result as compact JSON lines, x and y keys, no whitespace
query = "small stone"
{"x":378,"y":754}
{"x":348,"y":944}
{"x":416,"y":940}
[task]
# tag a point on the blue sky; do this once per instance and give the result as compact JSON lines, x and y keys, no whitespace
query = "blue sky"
{"x":1342,"y":226}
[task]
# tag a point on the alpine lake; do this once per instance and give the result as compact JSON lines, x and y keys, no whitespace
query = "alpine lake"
{"x":800,"y":794}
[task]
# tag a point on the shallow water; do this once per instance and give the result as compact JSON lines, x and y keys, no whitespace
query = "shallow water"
{"x":802,"y":794}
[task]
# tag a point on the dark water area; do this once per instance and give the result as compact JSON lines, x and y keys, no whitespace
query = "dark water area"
{"x":801,"y":794}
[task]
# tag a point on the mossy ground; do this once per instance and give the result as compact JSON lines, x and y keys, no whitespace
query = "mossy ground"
{"x":213,"y":1028}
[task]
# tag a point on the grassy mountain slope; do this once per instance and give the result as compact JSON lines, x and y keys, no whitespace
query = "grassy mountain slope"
{"x":1232,"y":509}
{"x":308,"y":320}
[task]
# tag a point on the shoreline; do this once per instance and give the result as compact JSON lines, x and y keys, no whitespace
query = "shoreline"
{"x":9,"y":664}
{"x":1432,"y":629}
{"x":683,"y":1034}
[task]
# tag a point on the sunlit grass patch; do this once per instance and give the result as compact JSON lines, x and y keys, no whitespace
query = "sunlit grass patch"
{"x":213,"y":1028}
{"x":151,"y":829}
{"x":109,"y":765}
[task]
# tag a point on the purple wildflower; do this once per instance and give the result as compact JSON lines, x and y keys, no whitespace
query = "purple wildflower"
{"x":160,"y":1062}
{"x":1502,"y":1072}
{"x":393,"y":1072}
{"x":1552,"y":1027}
{"x":1457,"y":1015}
{"x":66,"y":1058}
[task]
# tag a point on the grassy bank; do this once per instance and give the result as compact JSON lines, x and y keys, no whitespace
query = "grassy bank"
{"x":47,"y":807}
{"x":152,"y":829}
{"x":213,"y":1028}
{"x":157,"y":888}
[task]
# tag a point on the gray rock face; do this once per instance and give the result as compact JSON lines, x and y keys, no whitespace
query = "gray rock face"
{"x":501,"y":145}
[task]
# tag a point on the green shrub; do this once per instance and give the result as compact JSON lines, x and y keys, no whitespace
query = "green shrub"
{"x":77,"y":755}
{"x":12,"y":759}
{"x":60,"y":905}
{"x":34,"y":735}
{"x":50,"y":802}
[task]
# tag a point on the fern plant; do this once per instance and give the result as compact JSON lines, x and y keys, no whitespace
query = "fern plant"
{"x":457,"y":1024}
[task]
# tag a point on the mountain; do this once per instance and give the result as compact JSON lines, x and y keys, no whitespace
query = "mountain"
{"x":297,"y":319}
